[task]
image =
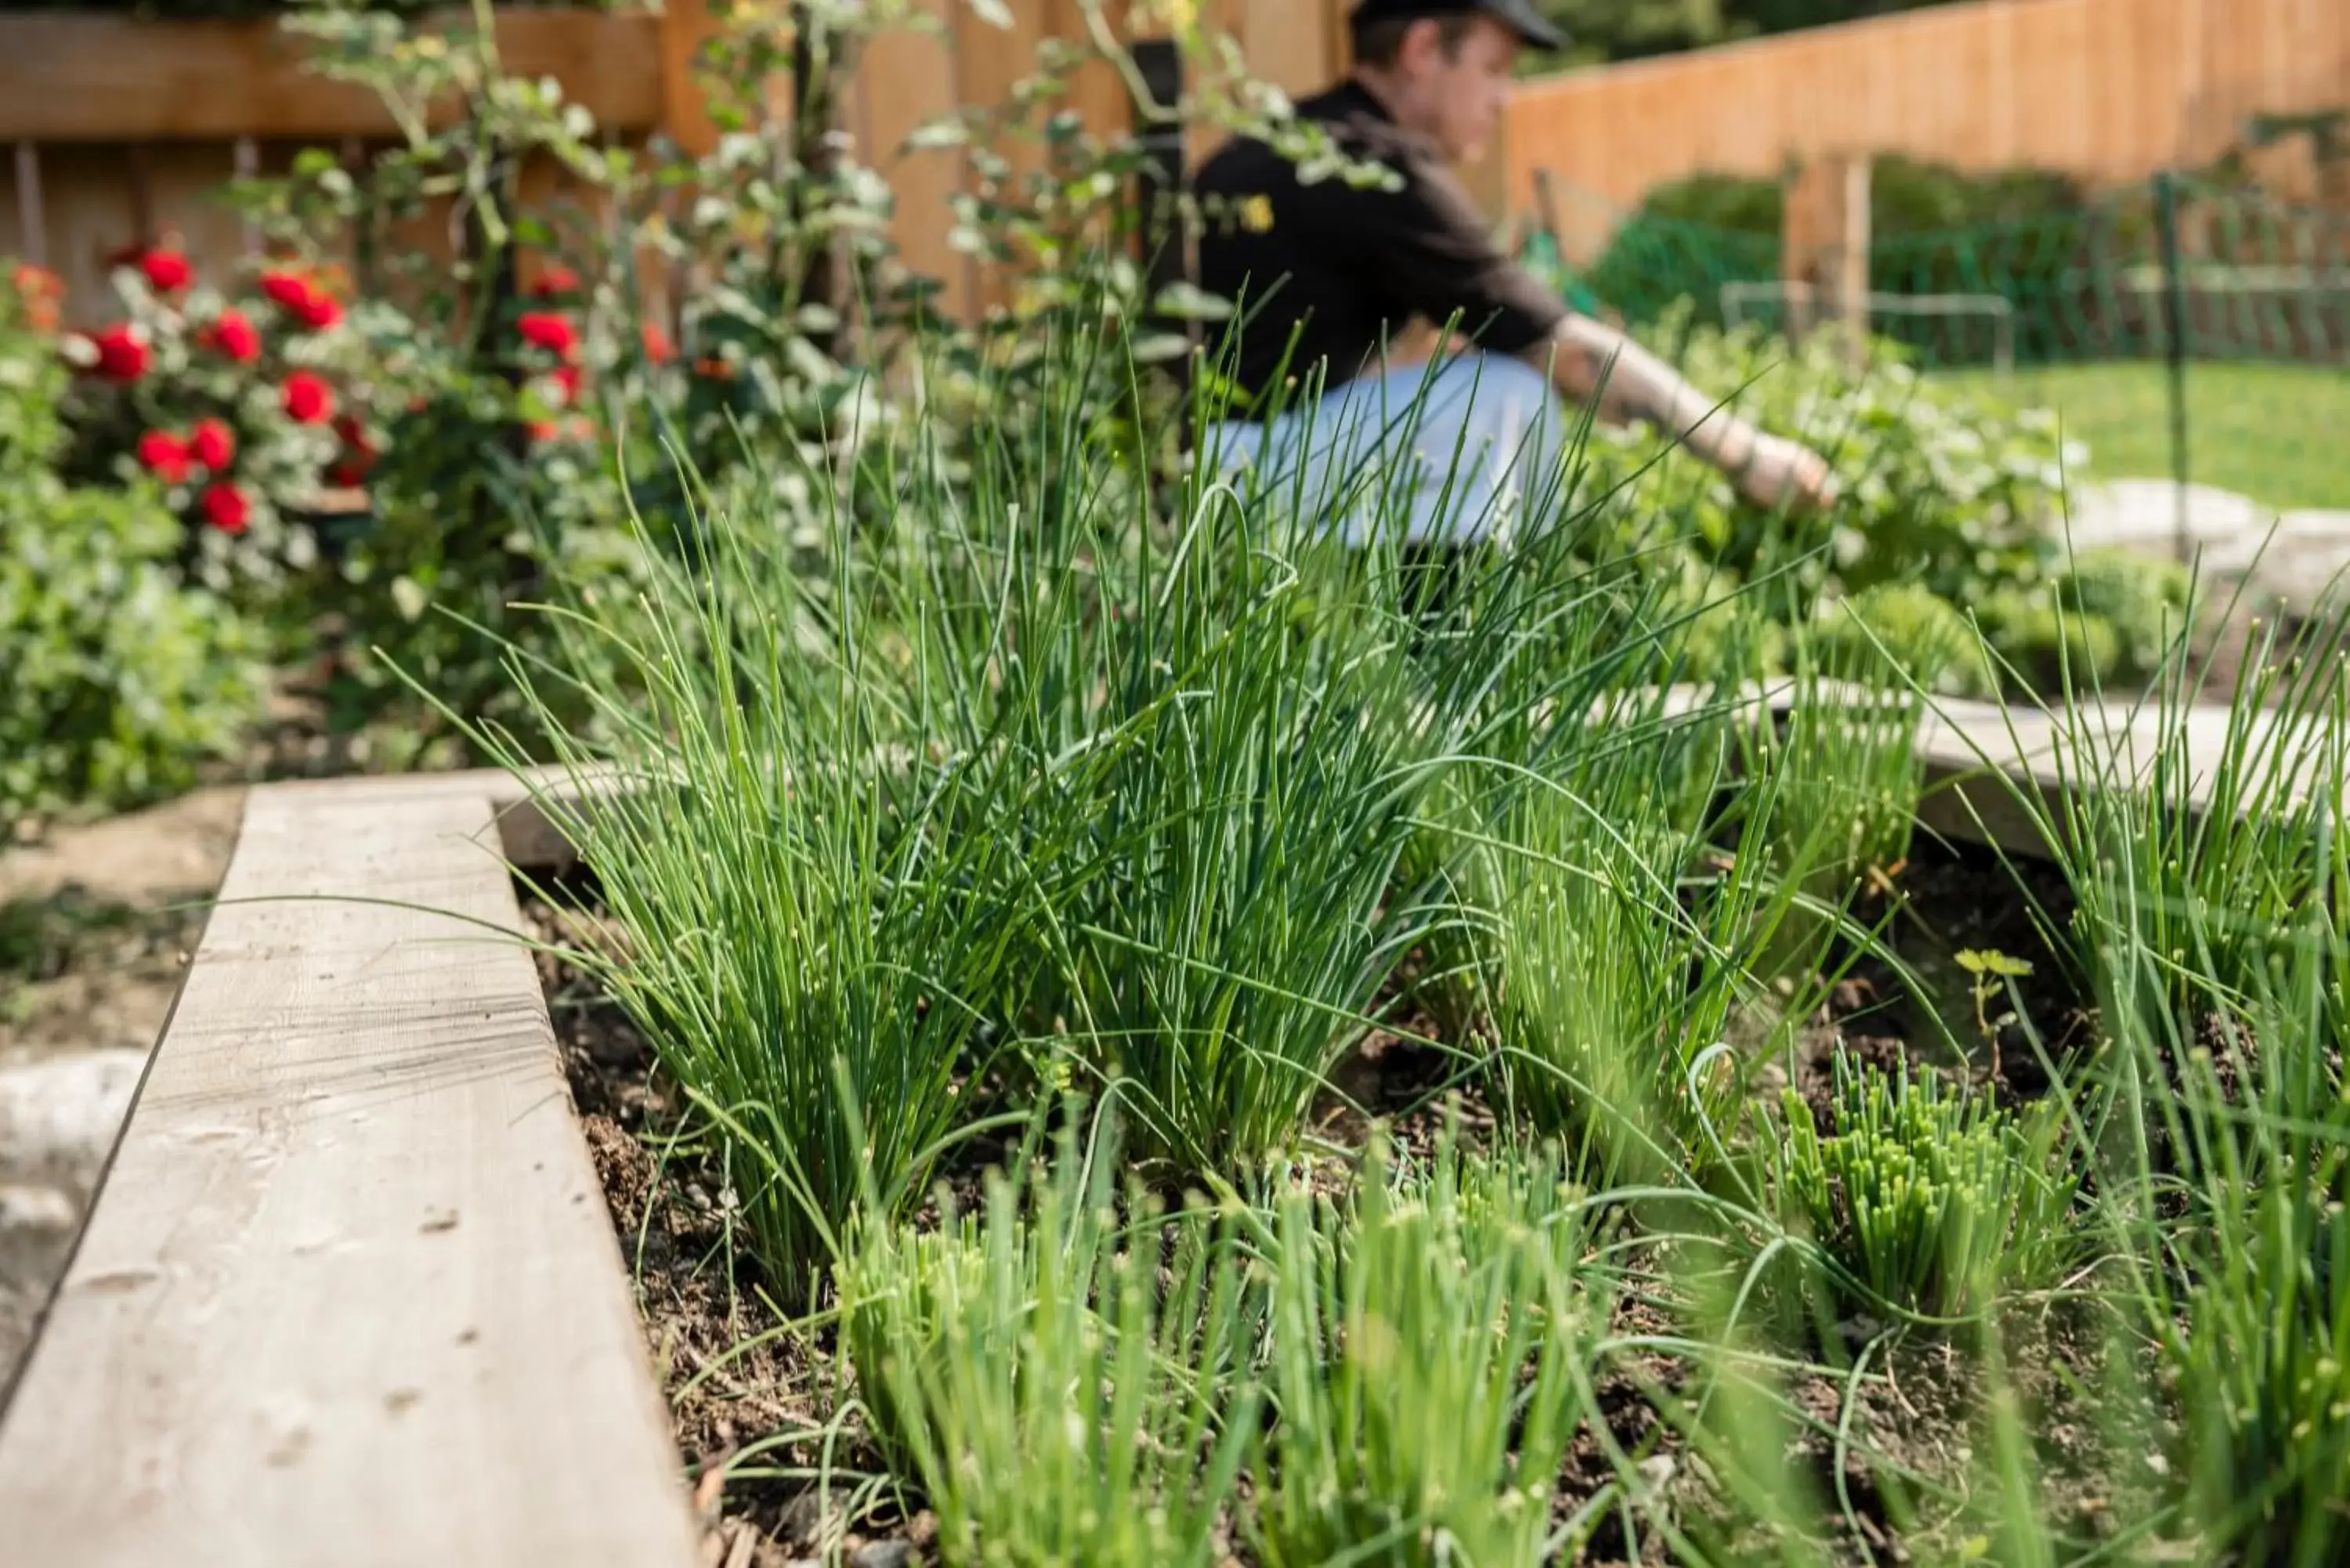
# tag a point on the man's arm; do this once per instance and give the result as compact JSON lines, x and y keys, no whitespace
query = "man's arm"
{"x":1430,"y":247}
{"x":1595,"y":364}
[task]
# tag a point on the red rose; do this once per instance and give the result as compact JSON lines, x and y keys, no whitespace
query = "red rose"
{"x":566,"y":381}
{"x":164,"y":455}
{"x":121,"y":353}
{"x":657,"y":348}
{"x":544,"y":431}
{"x":301,"y":298}
{"x":358,"y":455}
{"x":226,"y":509}
{"x":167,"y":272}
{"x":234,"y":335}
{"x":213,"y":444}
{"x":545,"y":329}
{"x":285,"y":289}
{"x":318,"y":312}
{"x":307,"y":398}
{"x":556,"y":279}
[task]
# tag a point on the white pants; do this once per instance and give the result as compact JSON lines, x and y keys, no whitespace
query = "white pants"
{"x":1455,"y":451}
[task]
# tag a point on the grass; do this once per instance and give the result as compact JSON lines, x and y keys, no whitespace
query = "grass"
{"x":2270,"y":432}
{"x":1056,"y":787}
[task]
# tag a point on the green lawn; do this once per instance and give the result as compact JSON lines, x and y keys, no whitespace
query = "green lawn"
{"x":2279,"y":433}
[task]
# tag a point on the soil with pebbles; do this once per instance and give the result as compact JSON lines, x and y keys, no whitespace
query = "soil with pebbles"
{"x":1882,"y":1454}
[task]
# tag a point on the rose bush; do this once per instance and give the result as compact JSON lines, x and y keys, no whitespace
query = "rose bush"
{"x":225,"y":396}
{"x":121,"y":679}
{"x":398,"y":456}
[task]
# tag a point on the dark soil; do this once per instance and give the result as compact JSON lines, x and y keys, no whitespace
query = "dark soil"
{"x":732,"y":1376}
{"x":1889,"y":1476}
{"x":1949,"y":899}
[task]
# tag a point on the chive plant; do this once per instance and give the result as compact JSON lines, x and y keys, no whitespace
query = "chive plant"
{"x":2204,"y":849}
{"x":1245,"y":792}
{"x":2253,"y":1312}
{"x":1848,"y":776}
{"x":1923,"y":1201}
{"x":1428,"y":1335}
{"x":1625,"y":949}
{"x":1244,"y":732}
{"x":1559,"y":661}
{"x":1059,"y":1381}
{"x":817,"y":941}
{"x":2190,"y":832}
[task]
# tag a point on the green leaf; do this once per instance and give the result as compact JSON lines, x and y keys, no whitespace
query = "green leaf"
{"x":1188,"y":302}
{"x":408,"y":598}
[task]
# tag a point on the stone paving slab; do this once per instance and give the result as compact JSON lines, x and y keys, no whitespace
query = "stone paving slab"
{"x":2298,"y":555}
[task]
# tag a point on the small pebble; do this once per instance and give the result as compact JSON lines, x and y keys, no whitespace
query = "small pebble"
{"x":881,"y":1554}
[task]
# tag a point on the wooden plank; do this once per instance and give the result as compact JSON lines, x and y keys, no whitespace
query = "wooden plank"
{"x":350,"y":1293}
{"x":2049,"y":758}
{"x":521,"y":827}
{"x":90,"y":215}
{"x":687,"y":30}
{"x":114,"y":78}
{"x":905,"y":80}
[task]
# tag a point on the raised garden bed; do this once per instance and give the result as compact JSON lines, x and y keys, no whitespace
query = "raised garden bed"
{"x":782,"y":1463}
{"x":350,"y":1261}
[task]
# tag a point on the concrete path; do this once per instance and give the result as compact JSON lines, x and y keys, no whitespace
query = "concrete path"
{"x":2296,"y":556}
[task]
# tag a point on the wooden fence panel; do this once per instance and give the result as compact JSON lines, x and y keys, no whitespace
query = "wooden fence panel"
{"x":2109,"y":89}
{"x":96,"y":199}
{"x":117,"y":79}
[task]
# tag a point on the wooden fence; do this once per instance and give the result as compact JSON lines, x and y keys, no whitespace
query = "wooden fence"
{"x":123,"y":129}
{"x":2109,"y":89}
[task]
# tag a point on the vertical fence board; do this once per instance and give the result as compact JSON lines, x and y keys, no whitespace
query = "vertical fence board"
{"x":906,"y":80}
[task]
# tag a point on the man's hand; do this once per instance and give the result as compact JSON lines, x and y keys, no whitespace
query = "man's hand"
{"x":1781,"y":472}
{"x":1596,"y":364}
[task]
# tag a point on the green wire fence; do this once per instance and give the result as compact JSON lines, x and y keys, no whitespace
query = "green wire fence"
{"x":2187,"y":326}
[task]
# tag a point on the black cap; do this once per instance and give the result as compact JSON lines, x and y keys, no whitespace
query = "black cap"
{"x":1518,"y":16}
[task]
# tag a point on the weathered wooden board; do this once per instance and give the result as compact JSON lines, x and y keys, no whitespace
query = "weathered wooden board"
{"x":519,"y":827}
{"x":350,"y":1294}
{"x":115,"y":78}
{"x":1994,"y":773}
{"x":2046,"y":756}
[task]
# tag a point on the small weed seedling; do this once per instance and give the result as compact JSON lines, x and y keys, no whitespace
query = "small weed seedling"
{"x":1989,"y":973}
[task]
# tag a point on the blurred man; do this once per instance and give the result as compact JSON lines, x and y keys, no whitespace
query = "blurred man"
{"x":1346,"y":286}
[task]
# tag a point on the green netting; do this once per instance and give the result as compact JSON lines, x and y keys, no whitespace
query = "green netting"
{"x":2068,"y":303}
